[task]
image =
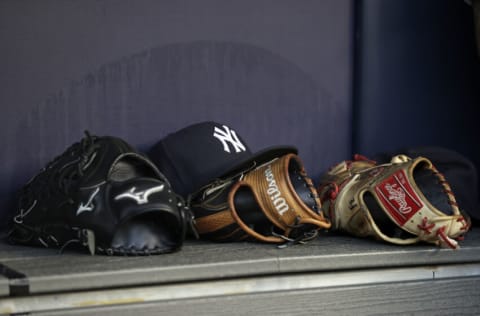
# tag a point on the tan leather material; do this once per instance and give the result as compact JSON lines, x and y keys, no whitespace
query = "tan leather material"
{"x":395,"y":191}
{"x":272,"y":189}
{"x":211,"y":223}
{"x":273,"y":193}
{"x":240,"y":235}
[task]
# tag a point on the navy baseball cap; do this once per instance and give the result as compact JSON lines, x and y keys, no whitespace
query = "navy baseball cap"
{"x":198,"y":154}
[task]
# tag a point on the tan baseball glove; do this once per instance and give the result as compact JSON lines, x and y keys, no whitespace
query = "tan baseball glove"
{"x":275,"y":202}
{"x":402,"y":202}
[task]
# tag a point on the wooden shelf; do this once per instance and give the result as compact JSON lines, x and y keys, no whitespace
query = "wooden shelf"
{"x":76,"y":282}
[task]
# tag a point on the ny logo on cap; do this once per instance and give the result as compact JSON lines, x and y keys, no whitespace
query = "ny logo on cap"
{"x":228,"y":136}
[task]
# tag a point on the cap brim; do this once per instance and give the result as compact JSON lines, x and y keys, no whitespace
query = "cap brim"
{"x":259,"y":158}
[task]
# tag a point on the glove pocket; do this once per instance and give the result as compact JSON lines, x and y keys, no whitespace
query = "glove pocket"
{"x":144,"y":218}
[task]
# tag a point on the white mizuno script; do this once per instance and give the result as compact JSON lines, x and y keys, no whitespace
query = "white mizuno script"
{"x":88,"y":207}
{"x":140,"y":197}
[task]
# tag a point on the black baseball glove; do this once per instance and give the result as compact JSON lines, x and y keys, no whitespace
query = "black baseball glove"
{"x":102,"y":194}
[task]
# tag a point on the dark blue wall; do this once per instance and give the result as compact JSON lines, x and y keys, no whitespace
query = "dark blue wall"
{"x":417,"y":76}
{"x":279,"y":72}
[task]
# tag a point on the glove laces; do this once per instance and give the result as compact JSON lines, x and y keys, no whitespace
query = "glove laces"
{"x":53,"y":178}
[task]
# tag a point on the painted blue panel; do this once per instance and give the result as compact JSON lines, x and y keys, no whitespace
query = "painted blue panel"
{"x":276,"y":71}
{"x":418,"y":77}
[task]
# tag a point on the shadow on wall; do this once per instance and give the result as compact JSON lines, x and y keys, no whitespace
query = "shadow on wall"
{"x":143,"y":97}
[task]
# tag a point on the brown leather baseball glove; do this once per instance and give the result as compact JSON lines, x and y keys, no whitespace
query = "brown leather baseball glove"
{"x":275,"y":202}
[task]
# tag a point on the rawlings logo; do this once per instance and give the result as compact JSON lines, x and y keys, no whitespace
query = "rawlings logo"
{"x":397,"y":194}
{"x":398,"y":197}
{"x":274,"y":193}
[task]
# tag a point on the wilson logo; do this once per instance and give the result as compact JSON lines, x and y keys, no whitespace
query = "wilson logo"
{"x":274,"y":193}
{"x":398,"y":197}
{"x":228,"y":137}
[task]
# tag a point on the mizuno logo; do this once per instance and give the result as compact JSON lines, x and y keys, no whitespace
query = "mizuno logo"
{"x":140,"y":197}
{"x":88,"y":207}
{"x":228,"y":136}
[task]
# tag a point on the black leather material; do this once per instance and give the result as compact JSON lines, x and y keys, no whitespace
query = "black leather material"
{"x":431,"y":187}
{"x":102,"y":194}
{"x":383,"y":222}
{"x":150,"y":231}
{"x":146,"y":217}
